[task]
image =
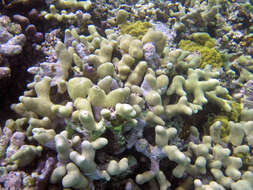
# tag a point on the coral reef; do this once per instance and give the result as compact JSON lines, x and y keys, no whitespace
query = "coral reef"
{"x":129,"y":95}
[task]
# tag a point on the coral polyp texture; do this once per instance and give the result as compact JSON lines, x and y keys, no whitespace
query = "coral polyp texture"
{"x":151,"y":95}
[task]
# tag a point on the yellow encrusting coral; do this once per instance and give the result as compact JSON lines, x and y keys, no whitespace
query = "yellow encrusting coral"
{"x":224,"y":125}
{"x":236,"y":111}
{"x":135,"y":29}
{"x":203,"y":44}
{"x":225,"y":117}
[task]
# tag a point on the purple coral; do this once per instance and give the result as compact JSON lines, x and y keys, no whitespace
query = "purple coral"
{"x":12,"y":180}
{"x":16,"y":141}
{"x":247,"y":92}
{"x":150,"y":55}
{"x":45,"y":169}
{"x":10,"y":44}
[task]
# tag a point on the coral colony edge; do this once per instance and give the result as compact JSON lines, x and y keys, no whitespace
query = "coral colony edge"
{"x":126,"y":95}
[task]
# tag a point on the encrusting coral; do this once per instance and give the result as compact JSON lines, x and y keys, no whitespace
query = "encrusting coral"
{"x":137,"y":29}
{"x":203,"y":44}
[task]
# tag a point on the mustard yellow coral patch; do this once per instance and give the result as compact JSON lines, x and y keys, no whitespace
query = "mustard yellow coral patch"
{"x":209,"y":55}
{"x":135,"y":29}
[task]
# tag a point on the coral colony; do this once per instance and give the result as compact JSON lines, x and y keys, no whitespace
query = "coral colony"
{"x":126,"y":95}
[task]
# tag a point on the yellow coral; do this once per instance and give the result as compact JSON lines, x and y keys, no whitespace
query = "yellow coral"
{"x":203,"y":44}
{"x":203,"y":39}
{"x":225,"y":117}
{"x":224,"y":125}
{"x":209,"y":55}
{"x":246,"y":157}
{"x":236,"y":111}
{"x":135,"y":29}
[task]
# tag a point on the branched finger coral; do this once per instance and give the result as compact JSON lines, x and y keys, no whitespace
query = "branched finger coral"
{"x":121,"y":101}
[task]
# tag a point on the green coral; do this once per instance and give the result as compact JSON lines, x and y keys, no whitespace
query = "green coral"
{"x":135,"y":29}
{"x":203,"y":44}
{"x":117,"y":131}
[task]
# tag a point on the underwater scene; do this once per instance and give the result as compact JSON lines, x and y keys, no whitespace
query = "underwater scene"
{"x":126,"y":95}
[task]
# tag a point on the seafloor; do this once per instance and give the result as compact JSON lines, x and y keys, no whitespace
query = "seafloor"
{"x":126,"y":95}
